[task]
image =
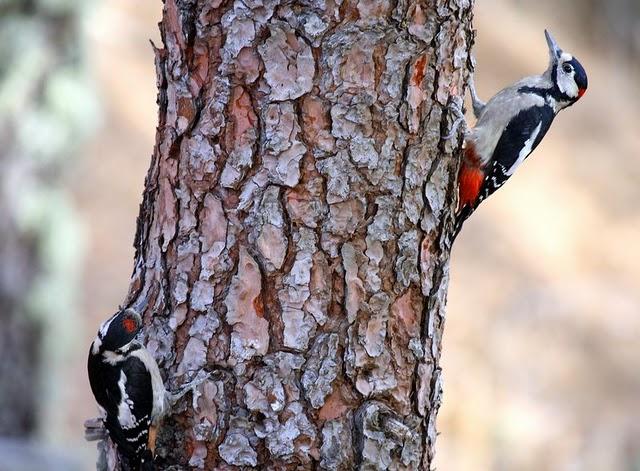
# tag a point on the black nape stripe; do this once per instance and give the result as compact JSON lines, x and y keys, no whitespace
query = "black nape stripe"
{"x":554,"y":93}
{"x":543,"y":92}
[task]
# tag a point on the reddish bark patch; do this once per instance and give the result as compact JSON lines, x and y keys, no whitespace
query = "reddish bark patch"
{"x":200,"y":66}
{"x":334,"y":406}
{"x":349,"y":11}
{"x":258,"y":305}
{"x":316,"y":124}
{"x":419,"y":71}
{"x":186,"y":108}
{"x":188,"y":446}
{"x":242,"y":119}
{"x":404,"y":316}
{"x":292,"y":41}
{"x":380,"y":62}
{"x":172,"y":22}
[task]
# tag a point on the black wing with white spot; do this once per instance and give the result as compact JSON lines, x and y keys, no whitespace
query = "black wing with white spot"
{"x":129,"y":424}
{"x":520,"y":138}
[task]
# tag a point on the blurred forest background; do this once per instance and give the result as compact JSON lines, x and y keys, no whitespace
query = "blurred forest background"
{"x":541,"y":357}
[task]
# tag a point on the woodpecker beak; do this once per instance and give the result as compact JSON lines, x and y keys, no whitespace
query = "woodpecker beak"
{"x":554,"y":50}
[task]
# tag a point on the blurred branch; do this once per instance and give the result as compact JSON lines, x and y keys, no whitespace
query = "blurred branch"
{"x":46,"y":108}
{"x":94,"y":430}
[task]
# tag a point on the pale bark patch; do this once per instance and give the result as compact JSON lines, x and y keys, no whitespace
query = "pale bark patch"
{"x":250,"y":334}
{"x":289,"y":63}
{"x":283,"y":147}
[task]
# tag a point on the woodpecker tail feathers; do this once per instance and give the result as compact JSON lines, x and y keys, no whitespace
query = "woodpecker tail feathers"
{"x":146,"y":461}
{"x":139,"y":463}
{"x":461,"y":217}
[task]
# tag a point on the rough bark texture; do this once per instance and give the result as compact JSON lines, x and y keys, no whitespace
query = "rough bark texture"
{"x":290,"y":242}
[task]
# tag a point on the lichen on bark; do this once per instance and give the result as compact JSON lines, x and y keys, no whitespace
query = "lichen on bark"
{"x":290,"y":242}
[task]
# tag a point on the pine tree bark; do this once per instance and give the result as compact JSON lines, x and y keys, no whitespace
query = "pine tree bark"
{"x":291,"y":240}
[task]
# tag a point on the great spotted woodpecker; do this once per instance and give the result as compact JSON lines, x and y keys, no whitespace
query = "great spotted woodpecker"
{"x":512,"y":124}
{"x":127,"y":385}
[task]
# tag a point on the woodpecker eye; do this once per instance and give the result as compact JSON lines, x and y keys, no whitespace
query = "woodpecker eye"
{"x":568,"y":68}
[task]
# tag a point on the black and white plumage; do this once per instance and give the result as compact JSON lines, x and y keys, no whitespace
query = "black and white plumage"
{"x":127,"y":385}
{"x":512,"y":124}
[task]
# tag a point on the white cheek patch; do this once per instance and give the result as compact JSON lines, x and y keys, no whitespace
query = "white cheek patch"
{"x":567,"y":82}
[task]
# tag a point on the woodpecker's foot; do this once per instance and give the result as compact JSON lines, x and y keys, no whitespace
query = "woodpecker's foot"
{"x":191,"y":386}
{"x":455,"y":106}
{"x":94,"y":429}
{"x":476,"y":103}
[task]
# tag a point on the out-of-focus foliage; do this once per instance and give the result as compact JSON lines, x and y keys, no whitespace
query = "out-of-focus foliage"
{"x":609,"y":27}
{"x":616,"y":22}
{"x":47,"y":108}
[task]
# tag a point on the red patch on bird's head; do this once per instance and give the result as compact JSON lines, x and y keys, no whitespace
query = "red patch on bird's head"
{"x":130,"y":325}
{"x":581,"y":91}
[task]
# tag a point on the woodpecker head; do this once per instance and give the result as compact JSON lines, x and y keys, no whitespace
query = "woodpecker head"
{"x":118,"y":331}
{"x":566,"y":73}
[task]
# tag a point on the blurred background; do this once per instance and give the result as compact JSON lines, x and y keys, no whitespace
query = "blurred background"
{"x":542,"y":344}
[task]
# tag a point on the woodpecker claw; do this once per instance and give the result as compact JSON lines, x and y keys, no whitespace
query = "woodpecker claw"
{"x":455,"y":106}
{"x":94,"y":429}
{"x":174,"y":397}
{"x":476,"y":103}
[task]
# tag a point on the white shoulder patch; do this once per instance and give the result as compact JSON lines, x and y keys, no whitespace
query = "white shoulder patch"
{"x":526,"y":150}
{"x":126,"y":419}
{"x":95,"y":346}
{"x":112,"y":358}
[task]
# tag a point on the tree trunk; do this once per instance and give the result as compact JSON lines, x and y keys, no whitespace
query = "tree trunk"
{"x":291,"y":241}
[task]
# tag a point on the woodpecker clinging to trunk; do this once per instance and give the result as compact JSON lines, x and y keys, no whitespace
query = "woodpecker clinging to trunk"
{"x":512,"y":124}
{"x":127,"y":385}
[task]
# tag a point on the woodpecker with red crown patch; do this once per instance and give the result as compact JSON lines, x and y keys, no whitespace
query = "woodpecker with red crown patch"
{"x":127,"y":385}
{"x":511,"y":125}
